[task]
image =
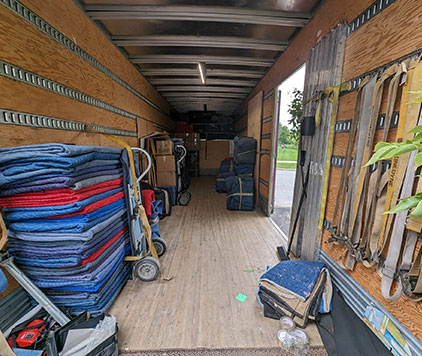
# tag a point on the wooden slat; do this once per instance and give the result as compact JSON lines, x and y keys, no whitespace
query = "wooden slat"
{"x":70,"y":20}
{"x":26,"y":98}
{"x":388,"y":36}
{"x":254,"y":127}
{"x":11,"y":136}
{"x":212,"y":153}
{"x":267,"y":128}
{"x":268,"y":106}
{"x":265,"y":168}
{"x":263,"y":189}
{"x":209,"y":249}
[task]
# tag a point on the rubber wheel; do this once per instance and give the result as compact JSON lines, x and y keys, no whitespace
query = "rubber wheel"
{"x":184,"y":198}
{"x":160,"y":245}
{"x":147,"y":269}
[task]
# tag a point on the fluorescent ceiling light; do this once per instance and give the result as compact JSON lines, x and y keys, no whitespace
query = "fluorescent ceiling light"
{"x":202,"y":71}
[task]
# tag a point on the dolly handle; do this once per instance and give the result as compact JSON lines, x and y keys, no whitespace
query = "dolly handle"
{"x":142,"y":151}
{"x":184,"y":153}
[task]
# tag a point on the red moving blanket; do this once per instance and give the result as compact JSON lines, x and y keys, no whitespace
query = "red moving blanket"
{"x":58,"y":196}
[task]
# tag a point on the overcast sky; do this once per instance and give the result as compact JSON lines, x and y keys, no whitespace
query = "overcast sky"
{"x":296,"y":80}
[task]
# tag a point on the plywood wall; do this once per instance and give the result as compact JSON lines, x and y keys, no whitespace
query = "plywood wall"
{"x":212,"y":152}
{"x":25,"y":46}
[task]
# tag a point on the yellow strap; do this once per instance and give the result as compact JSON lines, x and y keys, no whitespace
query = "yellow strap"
{"x":333,"y":94}
{"x":415,"y":224}
{"x":141,"y":209}
{"x":3,"y":236}
{"x":404,"y":123}
{"x":363,"y":174}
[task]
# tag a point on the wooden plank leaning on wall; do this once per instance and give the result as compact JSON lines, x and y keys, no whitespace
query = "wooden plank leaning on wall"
{"x":384,"y":38}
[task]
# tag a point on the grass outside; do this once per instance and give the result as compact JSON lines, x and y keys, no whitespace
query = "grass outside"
{"x":289,"y":153}
{"x":286,"y":165}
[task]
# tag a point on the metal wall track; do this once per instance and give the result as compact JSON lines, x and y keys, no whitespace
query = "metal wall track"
{"x":17,"y":73}
{"x":21,"y":10}
{"x":358,"y":299}
{"x":368,"y":14}
{"x":11,"y":117}
{"x":345,"y":125}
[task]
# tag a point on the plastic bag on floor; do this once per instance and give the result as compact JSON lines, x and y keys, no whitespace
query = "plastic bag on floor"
{"x":80,"y":342}
{"x":294,"y":341}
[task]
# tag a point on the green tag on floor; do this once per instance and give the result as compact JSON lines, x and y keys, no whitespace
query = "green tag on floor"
{"x":241,"y":297}
{"x":248,"y":270}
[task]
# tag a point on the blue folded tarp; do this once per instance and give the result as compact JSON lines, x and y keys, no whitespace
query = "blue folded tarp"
{"x":52,"y":150}
{"x":78,"y":223}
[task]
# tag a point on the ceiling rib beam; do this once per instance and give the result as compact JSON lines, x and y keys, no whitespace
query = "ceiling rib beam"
{"x":196,"y":81}
{"x":194,"y":59}
{"x":178,"y":72}
{"x":228,"y":14}
{"x":204,"y":95}
{"x":199,"y":41}
{"x":201,"y":88}
{"x":180,"y":100}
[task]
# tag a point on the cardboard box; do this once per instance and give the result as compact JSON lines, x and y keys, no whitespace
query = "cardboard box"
{"x":165,"y":164}
{"x":166,"y":179}
{"x":164,"y":147}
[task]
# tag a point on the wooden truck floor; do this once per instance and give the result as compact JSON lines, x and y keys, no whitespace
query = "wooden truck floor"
{"x":211,"y":252}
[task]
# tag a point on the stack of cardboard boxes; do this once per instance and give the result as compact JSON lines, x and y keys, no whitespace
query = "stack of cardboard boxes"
{"x":165,"y":164}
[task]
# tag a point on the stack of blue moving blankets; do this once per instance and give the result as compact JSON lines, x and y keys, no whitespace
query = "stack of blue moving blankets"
{"x":65,"y":210}
{"x":236,"y":175}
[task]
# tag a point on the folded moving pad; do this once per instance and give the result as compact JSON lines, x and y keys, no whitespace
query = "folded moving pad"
{"x":60,"y":211}
{"x":51,"y":149}
{"x":226,"y":166}
{"x":244,"y":150}
{"x":148,"y":197}
{"x":299,"y":289}
{"x":77,"y":223}
{"x":154,"y":219}
{"x":81,"y":299}
{"x":12,"y":176}
{"x":56,"y":258}
{"x":172,"y":192}
{"x":59,"y":196}
{"x":220,"y":184}
{"x":243,"y":169}
{"x":53,"y":181}
{"x":90,"y":280}
{"x":107,"y":300}
{"x":64,"y":237}
{"x":63,"y":270}
{"x":63,"y":249}
{"x":240,"y":193}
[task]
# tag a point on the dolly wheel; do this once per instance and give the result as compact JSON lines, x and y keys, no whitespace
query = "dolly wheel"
{"x":160,"y":245}
{"x":147,"y":269}
{"x":184,"y":198}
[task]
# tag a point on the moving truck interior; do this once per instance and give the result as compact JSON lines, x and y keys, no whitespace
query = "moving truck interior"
{"x":143,"y":195}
